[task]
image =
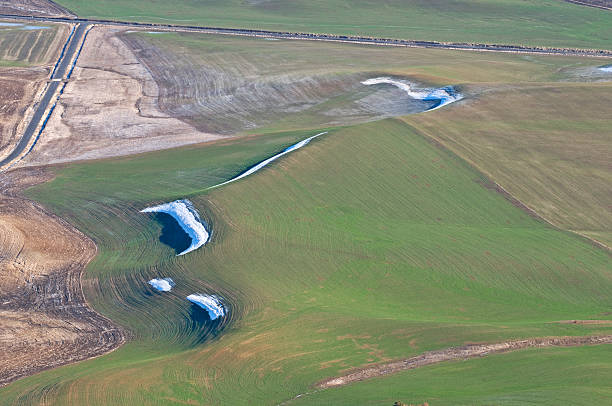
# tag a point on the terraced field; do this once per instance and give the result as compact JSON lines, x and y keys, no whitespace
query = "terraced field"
{"x":542,"y":23}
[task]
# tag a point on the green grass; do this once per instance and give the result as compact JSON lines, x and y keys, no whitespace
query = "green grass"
{"x":531,"y":22}
{"x":370,"y":244}
{"x":546,"y":144}
{"x":13,"y":64}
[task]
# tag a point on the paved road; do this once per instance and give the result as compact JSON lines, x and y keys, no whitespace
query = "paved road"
{"x":326,"y":37}
{"x":63,"y":67}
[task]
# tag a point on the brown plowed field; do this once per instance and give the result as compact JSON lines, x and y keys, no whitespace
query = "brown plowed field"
{"x":44,"y":319}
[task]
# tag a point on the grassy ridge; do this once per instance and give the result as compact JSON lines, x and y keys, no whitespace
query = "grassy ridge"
{"x":544,"y":22}
{"x":368,"y":245}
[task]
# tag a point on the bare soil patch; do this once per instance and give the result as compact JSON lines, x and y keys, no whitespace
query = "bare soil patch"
{"x":45,"y":321}
{"x":18,"y":88}
{"x":458,"y":353}
{"x":109,"y":108}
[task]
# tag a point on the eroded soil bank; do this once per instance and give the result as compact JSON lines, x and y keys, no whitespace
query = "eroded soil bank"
{"x":109,"y":108}
{"x":458,"y":353}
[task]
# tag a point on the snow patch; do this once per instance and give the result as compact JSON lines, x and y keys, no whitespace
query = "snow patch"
{"x":211,"y":303}
{"x":607,"y":68}
{"x":267,"y":161}
{"x":188,"y":218}
{"x":443,"y":95}
{"x":162,"y":285}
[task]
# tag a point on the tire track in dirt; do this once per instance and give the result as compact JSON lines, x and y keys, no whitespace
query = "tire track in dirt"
{"x":600,"y":4}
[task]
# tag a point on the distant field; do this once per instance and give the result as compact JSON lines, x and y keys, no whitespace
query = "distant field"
{"x":543,"y":22}
{"x":25,"y":54}
{"x":225,"y":84}
{"x":22,"y":46}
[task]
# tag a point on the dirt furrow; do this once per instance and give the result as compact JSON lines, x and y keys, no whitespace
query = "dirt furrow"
{"x":459,"y":353}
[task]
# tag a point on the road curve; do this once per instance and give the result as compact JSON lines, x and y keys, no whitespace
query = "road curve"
{"x":58,"y":76}
{"x":330,"y":37}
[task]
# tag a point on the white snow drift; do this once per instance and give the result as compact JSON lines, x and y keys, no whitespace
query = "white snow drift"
{"x":211,"y":303}
{"x":443,"y":95}
{"x":267,"y":161}
{"x":607,"y":68}
{"x":188,"y":218}
{"x":162,"y":285}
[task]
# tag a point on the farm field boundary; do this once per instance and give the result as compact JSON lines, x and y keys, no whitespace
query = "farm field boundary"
{"x":334,"y":38}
